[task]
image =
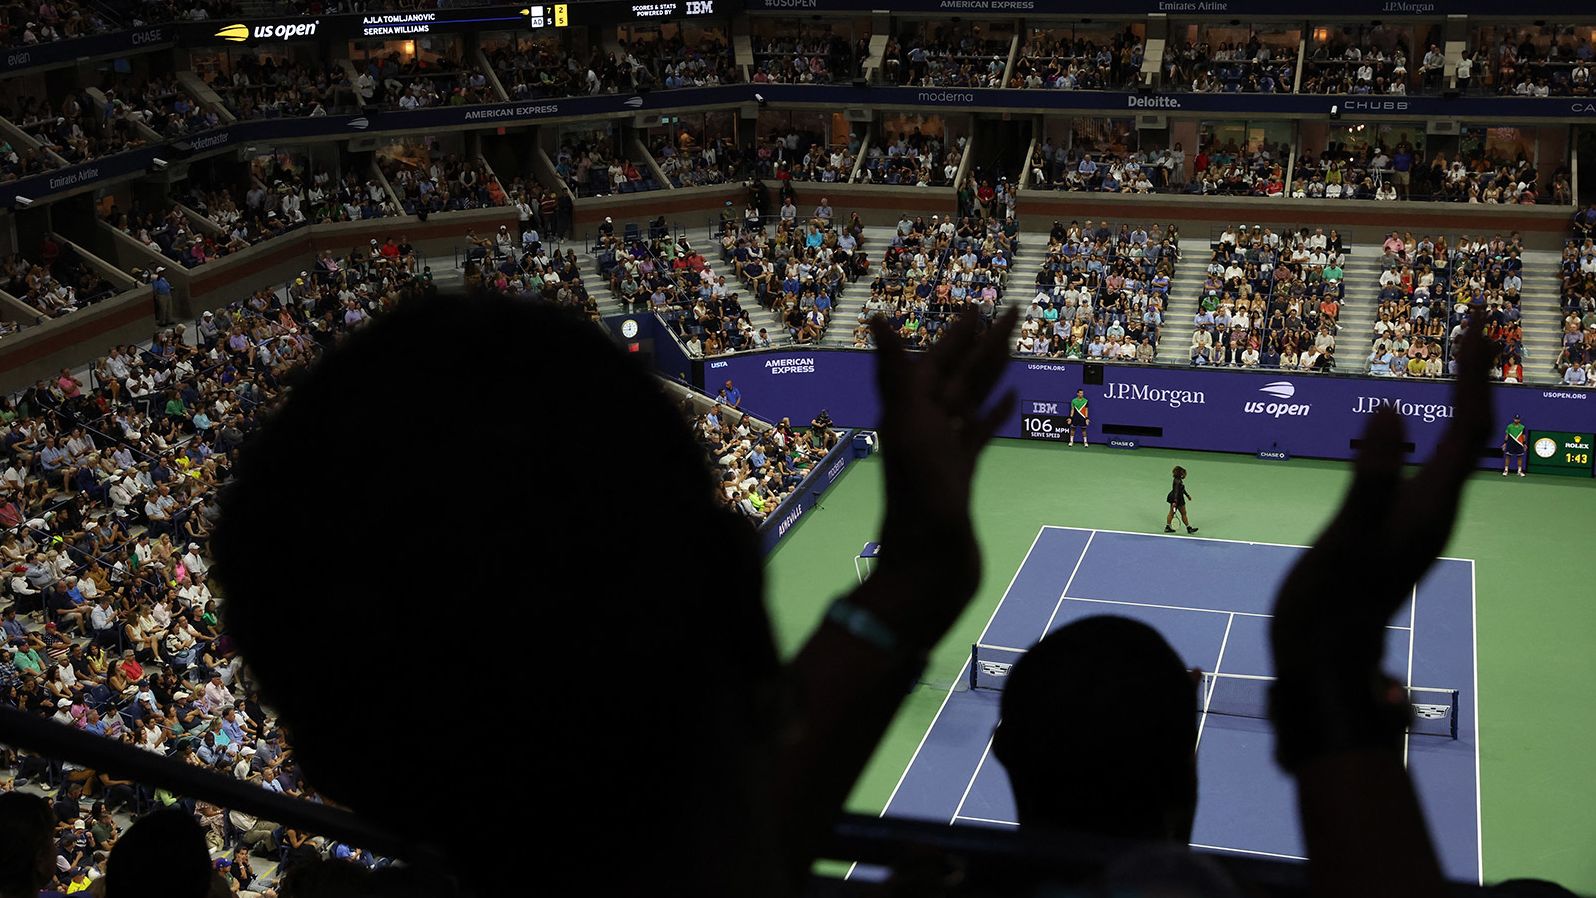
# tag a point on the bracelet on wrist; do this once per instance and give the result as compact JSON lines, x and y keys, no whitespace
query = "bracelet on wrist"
{"x":863,"y":624}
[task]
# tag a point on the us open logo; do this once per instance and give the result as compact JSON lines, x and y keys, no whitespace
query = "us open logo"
{"x":1279,"y":389}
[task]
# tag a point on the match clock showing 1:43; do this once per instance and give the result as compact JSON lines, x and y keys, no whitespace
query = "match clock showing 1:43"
{"x":1561,"y":452}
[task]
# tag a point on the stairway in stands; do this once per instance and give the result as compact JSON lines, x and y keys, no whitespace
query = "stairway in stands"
{"x":1174,"y":339}
{"x":1355,"y":336}
{"x":850,"y":302}
{"x":1541,"y":304}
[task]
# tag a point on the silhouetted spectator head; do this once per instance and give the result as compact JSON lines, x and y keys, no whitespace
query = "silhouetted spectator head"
{"x":27,"y":850}
{"x":1528,"y":888}
{"x":161,"y":856}
{"x":654,"y":696}
{"x":324,"y":878}
{"x":1099,"y":732}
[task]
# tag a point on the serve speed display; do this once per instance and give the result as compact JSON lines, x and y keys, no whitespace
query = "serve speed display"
{"x":1561,"y":452}
{"x":1042,"y":420}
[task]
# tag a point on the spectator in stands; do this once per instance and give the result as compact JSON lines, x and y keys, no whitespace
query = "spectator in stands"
{"x":802,"y":58}
{"x":26,"y":829}
{"x":1078,"y":64}
{"x":1339,"y":721}
{"x":1065,"y":717}
{"x":946,"y":54}
{"x":1250,"y":67}
{"x":814,"y":767}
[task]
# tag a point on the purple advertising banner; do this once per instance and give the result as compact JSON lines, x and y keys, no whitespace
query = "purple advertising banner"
{"x":807,"y":495}
{"x":1181,"y":408}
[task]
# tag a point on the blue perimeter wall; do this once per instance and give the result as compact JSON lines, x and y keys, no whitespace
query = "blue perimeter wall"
{"x":1213,"y":409}
{"x":807,"y":496}
{"x":671,"y":362}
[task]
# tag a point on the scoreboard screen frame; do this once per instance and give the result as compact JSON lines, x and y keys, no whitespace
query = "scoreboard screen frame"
{"x":1561,"y":452}
{"x":1044,"y":420}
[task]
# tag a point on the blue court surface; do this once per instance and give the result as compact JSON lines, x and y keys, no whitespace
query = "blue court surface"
{"x":1211,"y":599}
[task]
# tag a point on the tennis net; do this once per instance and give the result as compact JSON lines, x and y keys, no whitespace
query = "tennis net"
{"x":1433,"y":711}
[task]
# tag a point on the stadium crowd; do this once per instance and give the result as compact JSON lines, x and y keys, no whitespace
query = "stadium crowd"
{"x":446,"y":183}
{"x":157,"y":103}
{"x":1519,"y":65}
{"x":933,"y":273}
{"x":21,"y":163}
{"x":29,"y":23}
{"x":1429,"y":286}
{"x":173,"y":234}
{"x":1270,"y":300}
{"x":1078,"y":62}
{"x":1351,"y":69}
{"x":268,"y":87}
{"x":1241,"y":67}
{"x":80,"y":132}
{"x":110,"y":624}
{"x":54,"y":282}
{"x":522,"y":266}
{"x":535,"y":67}
{"x":1101,"y":292}
{"x":913,"y":158}
{"x":805,"y":58}
{"x":1576,"y":359}
{"x":756,"y":465}
{"x":946,"y":54}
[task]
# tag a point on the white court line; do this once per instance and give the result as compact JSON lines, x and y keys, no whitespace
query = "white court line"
{"x":1048,"y":628}
{"x":973,"y":777}
{"x":1067,"y":584}
{"x":1289,"y":857}
{"x":1210,"y":539}
{"x":1187,"y":608}
{"x":1413,"y":627}
{"x":1479,"y":817}
{"x":957,"y":680}
{"x":986,"y":820}
{"x":1220,"y":662}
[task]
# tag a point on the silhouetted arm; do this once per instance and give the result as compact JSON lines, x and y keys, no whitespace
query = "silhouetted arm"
{"x":855,"y":671}
{"x":1339,"y":719}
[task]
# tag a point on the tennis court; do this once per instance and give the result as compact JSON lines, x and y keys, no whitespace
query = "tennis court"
{"x":1210,"y":599}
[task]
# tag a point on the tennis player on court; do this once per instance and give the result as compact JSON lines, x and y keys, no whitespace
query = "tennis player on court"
{"x":1177,"y":502}
{"x":1079,"y":417}
{"x":1513,"y":446}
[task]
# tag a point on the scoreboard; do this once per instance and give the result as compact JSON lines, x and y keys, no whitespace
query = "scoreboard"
{"x":1561,"y":452}
{"x":1044,"y":420}
{"x":558,"y":15}
{"x":415,"y":23}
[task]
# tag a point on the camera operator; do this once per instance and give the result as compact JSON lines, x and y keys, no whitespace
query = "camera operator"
{"x":820,"y":432}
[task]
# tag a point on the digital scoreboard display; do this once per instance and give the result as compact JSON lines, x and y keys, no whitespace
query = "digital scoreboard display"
{"x":557,"y":15}
{"x":1561,"y":452}
{"x":419,"y":23}
{"x":1044,"y":420}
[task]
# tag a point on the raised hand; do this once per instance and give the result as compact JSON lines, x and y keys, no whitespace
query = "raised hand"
{"x":1338,"y":718}
{"x":1336,"y":601}
{"x":848,"y":681}
{"x":934,"y":422}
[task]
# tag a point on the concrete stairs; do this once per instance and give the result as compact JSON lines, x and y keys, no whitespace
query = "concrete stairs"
{"x":1541,"y":306}
{"x":1355,"y":336}
{"x":850,"y":303}
{"x":1174,"y":340}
